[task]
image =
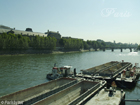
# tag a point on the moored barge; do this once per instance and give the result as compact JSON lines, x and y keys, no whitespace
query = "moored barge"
{"x":108,"y":73}
{"x":36,"y":93}
{"x":128,"y":78}
{"x":74,"y":94}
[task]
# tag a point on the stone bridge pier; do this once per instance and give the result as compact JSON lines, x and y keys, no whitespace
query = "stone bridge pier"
{"x":121,"y":49}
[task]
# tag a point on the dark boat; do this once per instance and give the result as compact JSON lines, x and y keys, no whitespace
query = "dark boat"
{"x":127,"y":79}
{"x":59,"y":72}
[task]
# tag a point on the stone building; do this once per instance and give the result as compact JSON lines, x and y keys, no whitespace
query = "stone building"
{"x":5,"y":29}
{"x":71,"y":38}
{"x":54,"y":34}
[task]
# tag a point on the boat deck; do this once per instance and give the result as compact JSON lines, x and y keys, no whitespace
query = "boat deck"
{"x":103,"y":98}
{"x":41,"y":91}
{"x":72,"y":95}
{"x":99,"y":68}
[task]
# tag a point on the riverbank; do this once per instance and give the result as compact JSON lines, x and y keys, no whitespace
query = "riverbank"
{"x":57,"y":52}
{"x":32,"y":51}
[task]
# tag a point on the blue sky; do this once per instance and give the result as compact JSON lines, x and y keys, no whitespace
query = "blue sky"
{"x":108,"y":20}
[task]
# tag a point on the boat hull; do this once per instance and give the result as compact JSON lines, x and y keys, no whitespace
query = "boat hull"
{"x":51,"y":77}
{"x":126,"y":84}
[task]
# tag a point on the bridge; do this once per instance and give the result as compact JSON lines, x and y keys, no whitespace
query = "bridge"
{"x":121,"y":48}
{"x":113,"y":48}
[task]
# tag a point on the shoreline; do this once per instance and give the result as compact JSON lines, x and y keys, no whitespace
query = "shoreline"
{"x":32,"y":52}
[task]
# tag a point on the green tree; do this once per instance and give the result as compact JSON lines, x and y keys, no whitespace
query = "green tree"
{"x":138,"y":47}
{"x":86,"y":46}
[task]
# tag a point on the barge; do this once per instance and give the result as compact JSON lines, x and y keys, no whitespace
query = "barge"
{"x":99,"y":68}
{"x":108,"y":73}
{"x":74,"y":94}
{"x":36,"y":93}
{"x":77,"y":89}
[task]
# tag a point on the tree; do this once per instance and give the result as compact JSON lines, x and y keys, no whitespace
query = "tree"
{"x":138,"y":47}
{"x":86,"y":46}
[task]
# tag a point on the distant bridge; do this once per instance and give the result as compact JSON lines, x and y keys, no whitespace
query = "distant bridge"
{"x":121,"y":48}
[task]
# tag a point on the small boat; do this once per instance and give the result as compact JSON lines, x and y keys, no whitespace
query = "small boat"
{"x":59,"y":72}
{"x":127,"y":79}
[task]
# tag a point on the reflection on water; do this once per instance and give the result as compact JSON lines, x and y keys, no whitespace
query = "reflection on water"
{"x":133,"y":54}
{"x":23,"y":71}
{"x":129,"y":54}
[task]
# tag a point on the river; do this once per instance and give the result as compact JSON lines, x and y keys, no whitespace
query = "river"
{"x":19,"y":72}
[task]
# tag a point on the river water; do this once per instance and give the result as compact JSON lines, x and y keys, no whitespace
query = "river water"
{"x":19,"y":72}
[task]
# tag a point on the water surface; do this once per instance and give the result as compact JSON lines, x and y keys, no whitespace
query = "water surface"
{"x":22,"y":71}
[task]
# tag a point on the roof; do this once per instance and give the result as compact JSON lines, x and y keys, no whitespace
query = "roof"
{"x":67,"y":67}
{"x":52,"y":32}
{"x":4,"y":27}
{"x":22,"y":32}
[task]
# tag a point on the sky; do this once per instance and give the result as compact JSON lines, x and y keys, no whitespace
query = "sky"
{"x":109,"y":20}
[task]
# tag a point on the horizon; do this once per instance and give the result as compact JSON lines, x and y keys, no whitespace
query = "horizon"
{"x":107,"y":20}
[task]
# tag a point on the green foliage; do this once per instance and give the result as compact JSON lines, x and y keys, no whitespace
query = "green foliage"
{"x":138,"y":47}
{"x":62,"y":41}
{"x":41,"y":43}
{"x":72,"y":44}
{"x":18,"y":42}
{"x":120,"y":45}
{"x":13,"y":42}
{"x":86,"y":46}
{"x":94,"y":44}
{"x":103,"y":44}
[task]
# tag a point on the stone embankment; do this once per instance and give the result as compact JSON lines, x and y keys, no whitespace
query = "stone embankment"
{"x":32,"y":51}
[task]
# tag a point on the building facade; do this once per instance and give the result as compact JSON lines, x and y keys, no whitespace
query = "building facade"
{"x":57,"y":35}
{"x":5,"y":29}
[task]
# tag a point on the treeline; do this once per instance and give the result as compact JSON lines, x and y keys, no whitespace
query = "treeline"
{"x":138,"y":47}
{"x":43,"y":43}
{"x":96,"y":44}
{"x":13,"y":42}
{"x":120,"y":45}
{"x":71,"y":44}
{"x":18,"y":42}
{"x":80,"y":44}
